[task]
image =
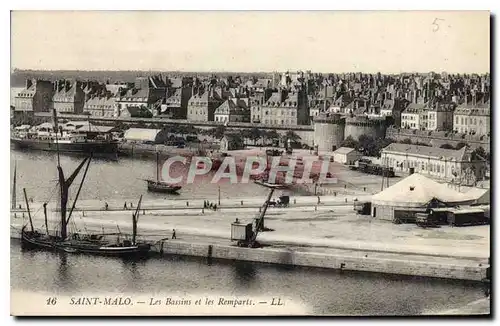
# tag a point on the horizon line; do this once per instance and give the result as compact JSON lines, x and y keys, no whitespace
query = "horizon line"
{"x":249,"y":72}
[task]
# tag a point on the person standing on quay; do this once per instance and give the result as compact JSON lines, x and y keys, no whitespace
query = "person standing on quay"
{"x":173,"y":234}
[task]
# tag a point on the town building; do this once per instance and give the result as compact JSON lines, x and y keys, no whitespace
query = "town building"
{"x":101,"y":105}
{"x":415,"y":117}
{"x":35,"y":97}
{"x":147,"y":93}
{"x":175,"y":106}
{"x":473,"y":118}
{"x":68,"y":97}
{"x":438,"y":163}
{"x":440,"y":117}
{"x":346,"y":155}
{"x":283,"y":108}
{"x":202,"y":105}
{"x":233,"y":110}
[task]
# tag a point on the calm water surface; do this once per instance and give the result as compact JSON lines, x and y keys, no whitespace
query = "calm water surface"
{"x":323,"y":291}
{"x":110,"y":179}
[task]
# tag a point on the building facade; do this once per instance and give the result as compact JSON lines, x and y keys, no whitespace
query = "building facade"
{"x":472,"y":119}
{"x":414,"y":117}
{"x":147,"y":93}
{"x":440,"y":117}
{"x":69,"y":97}
{"x":176,"y":105}
{"x":35,"y":97}
{"x":438,"y":163}
{"x":202,"y":105}
{"x":233,"y":110}
{"x":101,"y":105}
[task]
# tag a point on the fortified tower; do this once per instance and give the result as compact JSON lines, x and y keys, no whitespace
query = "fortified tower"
{"x":328,"y":131}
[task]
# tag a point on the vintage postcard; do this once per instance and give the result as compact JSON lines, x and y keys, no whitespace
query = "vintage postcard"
{"x":190,"y":163}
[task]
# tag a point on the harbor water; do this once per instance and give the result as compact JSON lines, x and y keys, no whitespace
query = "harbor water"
{"x":317,"y":291}
{"x":112,"y":179}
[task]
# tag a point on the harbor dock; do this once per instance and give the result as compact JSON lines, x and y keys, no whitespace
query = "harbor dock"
{"x":325,"y":235}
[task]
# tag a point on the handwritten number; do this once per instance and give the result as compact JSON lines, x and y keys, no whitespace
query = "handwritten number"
{"x":436,"y":25}
{"x":51,"y":301}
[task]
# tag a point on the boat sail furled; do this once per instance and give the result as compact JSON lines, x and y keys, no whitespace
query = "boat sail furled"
{"x":75,"y":242}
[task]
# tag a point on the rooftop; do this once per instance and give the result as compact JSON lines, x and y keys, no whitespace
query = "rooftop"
{"x":440,"y":153}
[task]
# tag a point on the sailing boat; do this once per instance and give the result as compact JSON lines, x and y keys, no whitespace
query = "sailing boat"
{"x":158,"y":185}
{"x":75,"y":242}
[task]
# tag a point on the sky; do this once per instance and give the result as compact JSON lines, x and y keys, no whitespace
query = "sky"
{"x":320,"y":41}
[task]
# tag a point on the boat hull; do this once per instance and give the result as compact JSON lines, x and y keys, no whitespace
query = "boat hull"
{"x":34,"y":240}
{"x":88,"y":147}
{"x":160,"y":187}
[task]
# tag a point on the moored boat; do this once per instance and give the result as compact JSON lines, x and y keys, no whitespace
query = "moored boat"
{"x":69,"y":242}
{"x":70,"y":138}
{"x":158,"y":185}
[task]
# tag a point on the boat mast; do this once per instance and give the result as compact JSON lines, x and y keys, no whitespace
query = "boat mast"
{"x":56,"y":129}
{"x":28,"y":208}
{"x":135,"y":218}
{"x":157,"y":166}
{"x":79,"y":189}
{"x":45,"y":214}
{"x":14,"y":186}
{"x":65,"y":184}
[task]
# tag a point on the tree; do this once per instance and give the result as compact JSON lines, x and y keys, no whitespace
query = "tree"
{"x":447,"y":146}
{"x":460,"y":145}
{"x":255,"y":134}
{"x":367,"y":145}
{"x":350,"y":142}
{"x":290,"y":134}
{"x":235,"y":141}
{"x":219,"y":132}
{"x":272,"y":135}
{"x":479,"y":154}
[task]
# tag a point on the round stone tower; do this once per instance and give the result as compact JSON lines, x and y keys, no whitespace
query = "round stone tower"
{"x":355,"y":126}
{"x":328,"y":131}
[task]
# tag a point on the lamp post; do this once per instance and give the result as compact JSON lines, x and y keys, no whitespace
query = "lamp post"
{"x":219,"y":197}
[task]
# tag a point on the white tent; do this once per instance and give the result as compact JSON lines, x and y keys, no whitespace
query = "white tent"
{"x":415,"y":191}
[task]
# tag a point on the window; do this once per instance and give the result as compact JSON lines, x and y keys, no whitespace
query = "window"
{"x":456,"y":120}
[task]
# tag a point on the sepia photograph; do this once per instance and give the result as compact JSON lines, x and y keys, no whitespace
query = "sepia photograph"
{"x":250,"y":163}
